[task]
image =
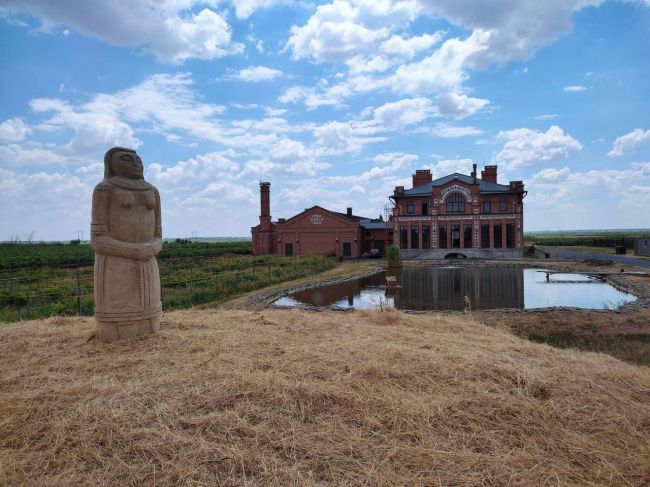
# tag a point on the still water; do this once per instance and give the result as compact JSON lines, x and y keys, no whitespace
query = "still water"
{"x":453,"y":288}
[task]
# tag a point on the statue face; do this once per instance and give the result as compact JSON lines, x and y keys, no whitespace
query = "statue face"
{"x":127,"y":164}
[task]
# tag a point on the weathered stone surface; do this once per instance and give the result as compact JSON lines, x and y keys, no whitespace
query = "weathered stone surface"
{"x":126,"y":235}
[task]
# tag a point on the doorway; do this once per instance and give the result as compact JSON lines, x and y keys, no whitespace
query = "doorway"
{"x":347,"y":249}
{"x":288,"y":249}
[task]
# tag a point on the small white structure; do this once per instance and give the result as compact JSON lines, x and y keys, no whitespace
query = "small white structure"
{"x":642,"y":245}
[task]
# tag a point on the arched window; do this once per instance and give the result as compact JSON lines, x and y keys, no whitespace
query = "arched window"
{"x":456,"y":203}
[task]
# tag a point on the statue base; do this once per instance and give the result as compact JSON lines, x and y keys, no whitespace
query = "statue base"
{"x":110,"y":331}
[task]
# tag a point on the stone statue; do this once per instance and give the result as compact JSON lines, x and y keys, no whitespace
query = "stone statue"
{"x":126,"y":235}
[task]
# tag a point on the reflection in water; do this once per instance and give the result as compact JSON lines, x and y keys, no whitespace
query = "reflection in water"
{"x":454,"y":288}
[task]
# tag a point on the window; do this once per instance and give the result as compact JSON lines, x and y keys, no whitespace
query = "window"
{"x":426,"y":236}
{"x":487,"y":206}
{"x":456,"y":203}
{"x":503,"y":205}
{"x":409,"y":207}
{"x":455,"y":235}
{"x":510,"y":235}
{"x":442,"y":236}
{"x":425,"y":207}
{"x":467,"y":236}
{"x":403,"y":235}
{"x":415,"y":237}
{"x":485,"y":235}
{"x":498,"y":236}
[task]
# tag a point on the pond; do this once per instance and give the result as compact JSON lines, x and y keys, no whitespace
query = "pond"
{"x":460,"y":288}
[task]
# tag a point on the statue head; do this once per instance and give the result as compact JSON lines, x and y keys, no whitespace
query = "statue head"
{"x":120,"y":161}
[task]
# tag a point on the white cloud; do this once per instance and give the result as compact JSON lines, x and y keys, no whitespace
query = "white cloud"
{"x":513,"y":29}
{"x":549,"y":116}
{"x":449,"y":131}
{"x":246,"y":8}
{"x":450,"y":166}
{"x":629,"y":141}
{"x":286,"y":156}
{"x":444,"y":70}
{"x":334,"y":33}
{"x":399,"y":114}
{"x":53,"y":205}
{"x":409,"y":46}
{"x":254,"y":74}
{"x":192,"y":174}
{"x":589,"y":199}
{"x":169,"y":29}
{"x":458,"y":106}
{"x":575,"y":88}
{"x":13,"y":130}
{"x":525,"y":146}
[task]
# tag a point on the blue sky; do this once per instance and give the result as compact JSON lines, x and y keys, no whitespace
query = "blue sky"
{"x":334,"y":103}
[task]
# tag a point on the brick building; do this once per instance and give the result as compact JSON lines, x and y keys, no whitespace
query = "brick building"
{"x":459,"y":214}
{"x":317,"y":230}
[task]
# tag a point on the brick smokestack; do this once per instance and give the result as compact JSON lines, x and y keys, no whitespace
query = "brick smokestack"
{"x":421,"y":176}
{"x":489,"y":174}
{"x":265,"y":205}
{"x":473,"y":171}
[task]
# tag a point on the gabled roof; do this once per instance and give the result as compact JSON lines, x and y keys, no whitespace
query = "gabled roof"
{"x":484,"y":186}
{"x":353,"y":217}
{"x":374,"y":224}
{"x":333,"y":213}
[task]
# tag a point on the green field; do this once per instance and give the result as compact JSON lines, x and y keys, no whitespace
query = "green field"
{"x":588,"y":238}
{"x":58,"y":254}
{"x":37,"y":281}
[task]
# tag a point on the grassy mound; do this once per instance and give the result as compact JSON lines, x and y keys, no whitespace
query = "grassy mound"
{"x":294,"y":398}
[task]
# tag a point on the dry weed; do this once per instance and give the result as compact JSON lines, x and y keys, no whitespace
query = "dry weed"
{"x":286,"y":397}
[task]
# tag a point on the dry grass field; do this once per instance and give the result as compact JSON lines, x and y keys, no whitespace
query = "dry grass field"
{"x":284,"y":397}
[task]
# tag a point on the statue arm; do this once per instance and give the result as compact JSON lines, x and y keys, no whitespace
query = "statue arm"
{"x":100,"y":240}
{"x":157,"y":234}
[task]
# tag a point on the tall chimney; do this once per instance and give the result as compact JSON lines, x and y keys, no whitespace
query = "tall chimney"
{"x":265,"y":205}
{"x":473,"y":172}
{"x":421,"y":177}
{"x":349,"y":213}
{"x":489,"y":174}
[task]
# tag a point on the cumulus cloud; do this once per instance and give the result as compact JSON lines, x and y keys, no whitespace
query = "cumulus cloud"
{"x":254,"y":74}
{"x":399,"y":114}
{"x":53,"y":205}
{"x":586,"y":199}
{"x":172,"y":30}
{"x":246,"y":8}
{"x":13,"y":130}
{"x":629,"y":141}
{"x":192,"y":174}
{"x":524,"y":146}
{"x":286,"y":156}
{"x":451,"y":166}
{"x":458,"y":106}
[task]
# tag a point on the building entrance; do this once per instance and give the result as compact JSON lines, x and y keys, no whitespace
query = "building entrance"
{"x":347,"y":249}
{"x":288,"y":249}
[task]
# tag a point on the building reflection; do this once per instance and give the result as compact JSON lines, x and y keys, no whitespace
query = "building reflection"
{"x":429,"y":288}
{"x":447,"y":288}
{"x":343,"y":291}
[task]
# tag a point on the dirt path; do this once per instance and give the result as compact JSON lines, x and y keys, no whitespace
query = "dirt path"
{"x":625,"y":260}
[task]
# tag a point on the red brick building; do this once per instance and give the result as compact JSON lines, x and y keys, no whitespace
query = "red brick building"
{"x":459,"y":214}
{"x":317,"y":230}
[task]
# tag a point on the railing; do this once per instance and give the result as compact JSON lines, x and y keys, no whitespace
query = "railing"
{"x":32,"y":293}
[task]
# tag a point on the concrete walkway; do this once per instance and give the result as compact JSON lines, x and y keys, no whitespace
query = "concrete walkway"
{"x":573,"y":254}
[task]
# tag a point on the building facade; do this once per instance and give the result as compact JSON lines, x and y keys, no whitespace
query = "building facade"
{"x":459,"y":215}
{"x":317,"y":230}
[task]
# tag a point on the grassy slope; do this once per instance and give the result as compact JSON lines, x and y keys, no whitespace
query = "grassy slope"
{"x":278,"y":397}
